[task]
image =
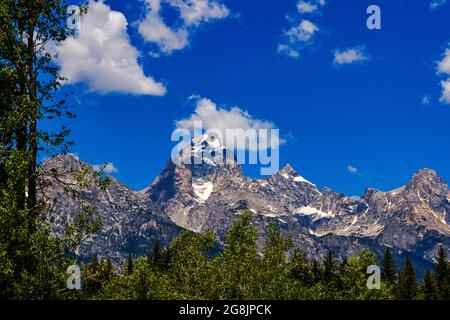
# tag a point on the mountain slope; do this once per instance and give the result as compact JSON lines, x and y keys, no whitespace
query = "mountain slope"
{"x":210,"y":194}
{"x":130,"y":223}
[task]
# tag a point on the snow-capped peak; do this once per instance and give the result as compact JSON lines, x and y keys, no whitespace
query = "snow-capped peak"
{"x":205,"y":149}
{"x":290,"y":174}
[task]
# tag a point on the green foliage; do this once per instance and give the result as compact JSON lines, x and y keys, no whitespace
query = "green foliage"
{"x":389,"y":272}
{"x":429,"y":287}
{"x":96,"y":274}
{"x":33,"y":262}
{"x":407,"y":285}
{"x":187,"y":269}
{"x":442,"y":275}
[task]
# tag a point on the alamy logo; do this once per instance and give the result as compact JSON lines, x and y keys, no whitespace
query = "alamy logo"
{"x":374,"y":20}
{"x":74,"y":20}
{"x":74,"y":279}
{"x":374,"y":280}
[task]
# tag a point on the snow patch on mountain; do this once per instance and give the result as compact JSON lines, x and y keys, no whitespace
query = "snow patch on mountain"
{"x":203,"y":190}
{"x":309,"y":211}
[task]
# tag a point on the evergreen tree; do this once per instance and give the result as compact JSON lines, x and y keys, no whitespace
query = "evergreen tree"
{"x":316,"y":270}
{"x":109,"y":269}
{"x":388,"y":269}
{"x":442,"y":275}
{"x":128,"y":269}
{"x":91,"y":277}
{"x":329,"y":268}
{"x":299,"y":268}
{"x":156,"y":257}
{"x":429,"y":289}
{"x":339,"y":283}
{"x":407,"y":285}
{"x":274,"y":264}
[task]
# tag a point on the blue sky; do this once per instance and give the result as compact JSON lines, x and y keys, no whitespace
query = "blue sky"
{"x":370,"y":121}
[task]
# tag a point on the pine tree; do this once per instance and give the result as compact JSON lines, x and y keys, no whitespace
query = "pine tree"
{"x":442,"y":275}
{"x":340,"y":274}
{"x":129,"y":265}
{"x":389,"y":272}
{"x":407,"y":285}
{"x":299,"y":267}
{"x":91,"y":277}
{"x":106,"y":272}
{"x":156,"y":258}
{"x":429,"y":289}
{"x":329,"y":268}
{"x":316,"y":270}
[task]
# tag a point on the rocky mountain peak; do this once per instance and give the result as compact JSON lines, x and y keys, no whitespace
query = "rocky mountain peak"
{"x":289,"y":173}
{"x":61,"y":160}
{"x":425,"y":177}
{"x":370,"y":192}
{"x":205,"y":149}
{"x":288,"y":169}
{"x":427,"y":183}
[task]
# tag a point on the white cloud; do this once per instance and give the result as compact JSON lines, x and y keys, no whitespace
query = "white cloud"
{"x":445,"y":97}
{"x":303,"y":32}
{"x":108,"y":168}
{"x":192,"y":13}
{"x":350,"y":55}
{"x":311,"y":6}
{"x":221,"y":119}
{"x":153,"y":29}
{"x":288,"y":51}
{"x":297,"y":38}
{"x":436,"y":4}
{"x":443,"y":67}
{"x":352,"y":169}
{"x":100,"y":55}
{"x":306,"y":7}
{"x":444,"y":64}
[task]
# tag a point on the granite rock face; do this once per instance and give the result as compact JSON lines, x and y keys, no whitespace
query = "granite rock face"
{"x":130,"y":223}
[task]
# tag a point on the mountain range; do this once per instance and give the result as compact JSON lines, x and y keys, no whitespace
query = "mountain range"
{"x":413,"y":220}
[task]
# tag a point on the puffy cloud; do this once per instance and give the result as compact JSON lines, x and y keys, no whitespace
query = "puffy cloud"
{"x":309,"y":6}
{"x":221,"y":119}
{"x":153,"y":29}
{"x":350,"y":55}
{"x":297,"y":37}
{"x":443,"y":67}
{"x":192,"y":13}
{"x":352,"y":169}
{"x":288,"y":51}
{"x":436,"y":4}
{"x":303,"y":32}
{"x":100,"y":55}
{"x":306,"y":7}
{"x":444,"y":64}
{"x":301,"y":35}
